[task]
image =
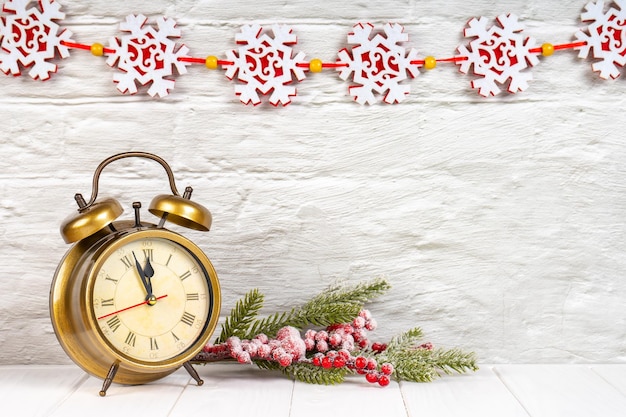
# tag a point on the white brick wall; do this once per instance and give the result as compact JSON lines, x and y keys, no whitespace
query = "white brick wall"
{"x":499,"y":222}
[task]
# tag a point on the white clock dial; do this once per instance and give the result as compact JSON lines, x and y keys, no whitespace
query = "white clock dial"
{"x":151,"y":299}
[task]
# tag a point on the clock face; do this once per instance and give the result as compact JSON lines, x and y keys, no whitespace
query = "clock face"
{"x":152,"y":299}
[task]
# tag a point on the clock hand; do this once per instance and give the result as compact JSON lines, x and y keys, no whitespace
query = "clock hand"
{"x":146,"y":282}
{"x":148,"y":271}
{"x":128,"y":308}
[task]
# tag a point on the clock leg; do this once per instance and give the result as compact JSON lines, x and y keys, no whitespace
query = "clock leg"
{"x":109,"y":379}
{"x":193,"y":373}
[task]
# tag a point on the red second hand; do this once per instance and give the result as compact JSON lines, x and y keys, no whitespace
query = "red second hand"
{"x":127,"y":308}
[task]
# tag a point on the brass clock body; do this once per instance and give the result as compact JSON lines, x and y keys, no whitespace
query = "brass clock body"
{"x":104,"y":316}
{"x":132,"y":302}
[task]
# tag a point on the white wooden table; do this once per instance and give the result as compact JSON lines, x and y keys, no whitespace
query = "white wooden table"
{"x":238,"y":390}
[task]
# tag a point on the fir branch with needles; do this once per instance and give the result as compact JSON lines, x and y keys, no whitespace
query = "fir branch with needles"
{"x":340,"y":347}
{"x":241,"y":316}
{"x":420,"y":362}
{"x":337,"y":304}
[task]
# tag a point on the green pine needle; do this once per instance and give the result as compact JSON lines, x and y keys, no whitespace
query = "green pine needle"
{"x":405,"y":340}
{"x":241,"y":316}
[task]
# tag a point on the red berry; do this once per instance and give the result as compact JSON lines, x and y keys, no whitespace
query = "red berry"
{"x":371,"y":364}
{"x":317,"y":361}
{"x":285,"y":360}
{"x":386,"y":368}
{"x":327,"y":362}
{"x":345,"y":354}
{"x":372,"y":377}
{"x":360,"y":362}
{"x":383,"y":380}
{"x":339,"y":362}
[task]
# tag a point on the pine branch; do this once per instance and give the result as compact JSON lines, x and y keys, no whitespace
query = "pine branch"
{"x":338,"y":304}
{"x":241,"y":316}
{"x":307,"y":373}
{"x":360,"y":293}
{"x":405,"y":340}
{"x":423,"y":365}
{"x":312,"y":374}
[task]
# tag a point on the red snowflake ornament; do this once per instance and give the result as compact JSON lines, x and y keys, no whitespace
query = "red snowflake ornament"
{"x":498,"y":54}
{"x":377,"y":63}
{"x":605,"y":37}
{"x":147,"y":56}
{"x":31,"y":38}
{"x":265,"y":64}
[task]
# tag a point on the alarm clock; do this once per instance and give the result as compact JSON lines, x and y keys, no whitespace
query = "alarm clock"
{"x":132,"y":301}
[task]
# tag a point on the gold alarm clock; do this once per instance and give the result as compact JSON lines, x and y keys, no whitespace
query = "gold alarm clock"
{"x":132,"y":301}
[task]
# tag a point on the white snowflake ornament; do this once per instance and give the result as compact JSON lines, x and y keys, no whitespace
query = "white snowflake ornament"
{"x":265,"y":64}
{"x":499,"y":55}
{"x":31,"y":38}
{"x":605,"y":37}
{"x":377,"y":63}
{"x":147,"y":55}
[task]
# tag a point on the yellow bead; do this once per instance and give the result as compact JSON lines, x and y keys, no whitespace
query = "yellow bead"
{"x":211,"y":62}
{"x":97,"y":49}
{"x":316,"y":65}
{"x":430,"y":62}
{"x":547,"y":49}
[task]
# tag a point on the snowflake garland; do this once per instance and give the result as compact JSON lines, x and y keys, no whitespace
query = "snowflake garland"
{"x":147,"y":56}
{"x":265,"y":63}
{"x":605,"y":37}
{"x":31,"y":38}
{"x":378,"y":64}
{"x":499,"y":55}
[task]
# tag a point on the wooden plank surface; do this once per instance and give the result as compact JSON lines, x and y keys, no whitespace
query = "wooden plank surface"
{"x":36,"y":390}
{"x":477,"y":394}
{"x":613,"y":374}
{"x":562,"y":391}
{"x":353,"y":397}
{"x":239,"y":390}
{"x":156,"y":399}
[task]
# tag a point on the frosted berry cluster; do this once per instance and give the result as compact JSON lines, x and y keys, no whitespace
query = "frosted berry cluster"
{"x":333,"y":347}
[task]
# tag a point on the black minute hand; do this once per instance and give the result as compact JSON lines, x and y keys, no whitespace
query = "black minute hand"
{"x":146,"y":282}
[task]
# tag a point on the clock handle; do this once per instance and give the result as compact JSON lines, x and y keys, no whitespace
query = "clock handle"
{"x":83,"y":205}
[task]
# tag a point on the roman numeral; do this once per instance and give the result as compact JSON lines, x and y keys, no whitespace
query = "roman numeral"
{"x":108,"y":278}
{"x":131,"y":339}
{"x":106,"y":303}
{"x":193,"y":297}
{"x":168,"y":260}
{"x":185,"y":276}
{"x":113,"y":323}
{"x":153,"y":344}
{"x":176,"y":338}
{"x":188,"y":318}
{"x":148,"y":254}
{"x":127,"y":262}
